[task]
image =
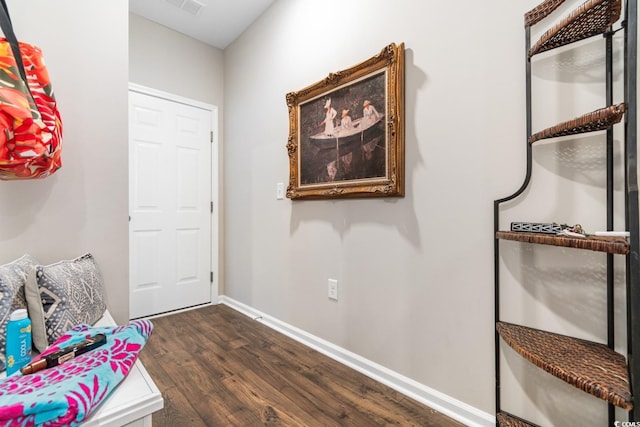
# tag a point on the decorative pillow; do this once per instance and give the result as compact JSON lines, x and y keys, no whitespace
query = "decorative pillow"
{"x":63,"y":295}
{"x":13,"y":277}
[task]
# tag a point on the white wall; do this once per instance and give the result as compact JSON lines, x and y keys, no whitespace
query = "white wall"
{"x":416,"y":273}
{"x":82,"y":207}
{"x":166,"y":60}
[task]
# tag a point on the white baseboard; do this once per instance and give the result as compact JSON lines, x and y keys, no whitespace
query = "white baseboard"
{"x":447,"y":405}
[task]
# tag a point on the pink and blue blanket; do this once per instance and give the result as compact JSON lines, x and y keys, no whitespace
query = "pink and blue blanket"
{"x":69,"y":393}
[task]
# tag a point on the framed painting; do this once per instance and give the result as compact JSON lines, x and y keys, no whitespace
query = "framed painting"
{"x":346,"y":132}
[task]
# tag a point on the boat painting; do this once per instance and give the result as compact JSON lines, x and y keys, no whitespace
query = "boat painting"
{"x":361,"y":130}
{"x":353,"y":153}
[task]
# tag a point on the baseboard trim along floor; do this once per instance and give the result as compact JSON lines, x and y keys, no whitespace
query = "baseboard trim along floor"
{"x":441,"y":402}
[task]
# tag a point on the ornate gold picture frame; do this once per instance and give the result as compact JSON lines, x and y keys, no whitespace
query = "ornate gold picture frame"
{"x":346,"y":132}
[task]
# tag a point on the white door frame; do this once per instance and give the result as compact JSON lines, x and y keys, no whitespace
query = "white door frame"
{"x":215,"y":170}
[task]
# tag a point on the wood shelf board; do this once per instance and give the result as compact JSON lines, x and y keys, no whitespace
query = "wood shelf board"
{"x":589,"y":366}
{"x":591,"y":18}
{"x":611,"y":245}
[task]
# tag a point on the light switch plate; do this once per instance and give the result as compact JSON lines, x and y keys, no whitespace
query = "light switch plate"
{"x":333,"y":289}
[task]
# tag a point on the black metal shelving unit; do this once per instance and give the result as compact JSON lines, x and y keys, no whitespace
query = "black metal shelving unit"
{"x":592,"y":367}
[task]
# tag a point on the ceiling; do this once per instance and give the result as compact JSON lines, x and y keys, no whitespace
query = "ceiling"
{"x":215,"y":22}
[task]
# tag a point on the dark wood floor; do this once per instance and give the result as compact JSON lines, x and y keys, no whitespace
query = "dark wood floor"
{"x":217,"y":367}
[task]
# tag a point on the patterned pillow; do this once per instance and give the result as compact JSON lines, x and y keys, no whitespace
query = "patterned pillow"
{"x":63,"y":295}
{"x":13,"y":277}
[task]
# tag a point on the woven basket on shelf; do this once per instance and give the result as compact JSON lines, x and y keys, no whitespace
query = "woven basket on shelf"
{"x":541,"y":11}
{"x":505,"y":420}
{"x":597,"y":120}
{"x":589,"y":366}
{"x":591,"y":18}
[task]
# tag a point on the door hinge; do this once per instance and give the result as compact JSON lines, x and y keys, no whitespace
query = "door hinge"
{"x":211,"y":207}
{"x":211,"y":136}
{"x":211,"y":277}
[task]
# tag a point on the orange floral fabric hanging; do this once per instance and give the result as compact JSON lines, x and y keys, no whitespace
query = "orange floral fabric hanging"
{"x":30,"y":124}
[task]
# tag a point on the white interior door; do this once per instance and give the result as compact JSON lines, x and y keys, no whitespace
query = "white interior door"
{"x":170,"y":203}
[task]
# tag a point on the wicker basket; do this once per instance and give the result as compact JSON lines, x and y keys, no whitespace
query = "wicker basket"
{"x":589,"y":366}
{"x":598,"y":120}
{"x":506,"y":420}
{"x":540,"y":12}
{"x":591,"y":18}
{"x":608,"y":244}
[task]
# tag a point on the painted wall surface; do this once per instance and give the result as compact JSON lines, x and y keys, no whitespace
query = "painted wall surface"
{"x":166,"y":60}
{"x":416,"y":274}
{"x":82,"y":207}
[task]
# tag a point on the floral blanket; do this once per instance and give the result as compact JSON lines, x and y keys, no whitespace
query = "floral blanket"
{"x":67,"y":394}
